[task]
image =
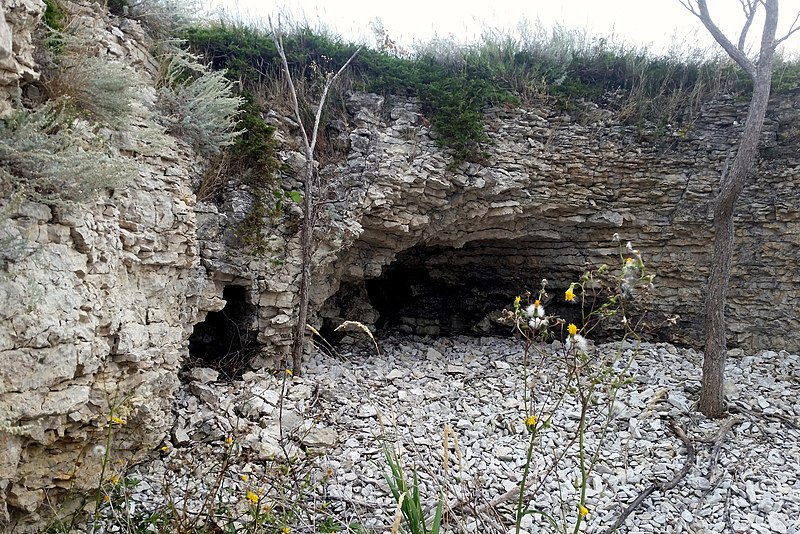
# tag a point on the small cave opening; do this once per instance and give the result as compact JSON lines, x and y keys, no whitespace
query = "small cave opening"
{"x":444,"y":291}
{"x":226,"y":340}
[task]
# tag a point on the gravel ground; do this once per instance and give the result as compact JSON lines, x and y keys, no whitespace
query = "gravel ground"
{"x":745,"y":477}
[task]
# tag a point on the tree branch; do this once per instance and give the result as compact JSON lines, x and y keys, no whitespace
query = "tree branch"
{"x":296,"y":104}
{"x":749,"y":8}
{"x":768,"y":42}
{"x":702,"y":13}
{"x":328,"y":83}
{"x":792,"y":29}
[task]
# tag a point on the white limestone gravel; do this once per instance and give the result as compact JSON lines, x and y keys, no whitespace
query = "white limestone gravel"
{"x":341,"y":411}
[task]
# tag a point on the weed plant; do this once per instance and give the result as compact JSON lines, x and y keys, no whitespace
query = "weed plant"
{"x":164,"y":19}
{"x":93,"y":88}
{"x":588,"y":379}
{"x":223,"y":495}
{"x":198,"y":104}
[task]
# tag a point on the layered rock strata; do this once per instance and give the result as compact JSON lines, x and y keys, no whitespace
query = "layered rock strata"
{"x":552,"y":193}
{"x":97,"y":301}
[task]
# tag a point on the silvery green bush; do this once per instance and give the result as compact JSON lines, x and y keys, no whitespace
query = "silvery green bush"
{"x":197,"y":104}
{"x":49,"y":157}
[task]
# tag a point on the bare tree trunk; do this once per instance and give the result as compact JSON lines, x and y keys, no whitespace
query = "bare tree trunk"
{"x":307,"y":251}
{"x":711,"y":397}
{"x":309,"y":197}
{"x":712,"y":393}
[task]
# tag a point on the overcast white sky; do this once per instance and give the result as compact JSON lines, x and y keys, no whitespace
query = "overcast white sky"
{"x":658,"y":23}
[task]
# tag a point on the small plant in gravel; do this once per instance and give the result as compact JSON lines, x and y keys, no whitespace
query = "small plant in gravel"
{"x":225,"y":489}
{"x":410,"y":507}
{"x":575,"y":376}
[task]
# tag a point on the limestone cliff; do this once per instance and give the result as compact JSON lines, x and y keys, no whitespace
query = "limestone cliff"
{"x":102,"y":302}
{"x":98,"y":300}
{"x":555,"y":189}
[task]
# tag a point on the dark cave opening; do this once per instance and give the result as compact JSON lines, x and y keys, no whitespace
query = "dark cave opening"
{"x":226,"y":340}
{"x":443,"y":291}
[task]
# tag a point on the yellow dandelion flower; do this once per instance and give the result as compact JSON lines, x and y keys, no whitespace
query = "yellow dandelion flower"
{"x":569,"y":295}
{"x":628,"y":261}
{"x":252,"y":497}
{"x":118,"y":421}
{"x":289,"y":372}
{"x":517,"y":300}
{"x":244,"y":477}
{"x":583,"y":511}
{"x":106,"y":498}
{"x":572,"y":329}
{"x":229,"y":440}
{"x":537,"y":303}
{"x":114,"y":479}
{"x":286,"y":530}
{"x":531,"y":421}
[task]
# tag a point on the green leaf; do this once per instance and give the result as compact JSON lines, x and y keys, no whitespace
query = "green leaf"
{"x":294,"y":196}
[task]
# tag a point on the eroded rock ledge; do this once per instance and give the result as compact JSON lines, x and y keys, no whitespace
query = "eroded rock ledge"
{"x":549,"y":199}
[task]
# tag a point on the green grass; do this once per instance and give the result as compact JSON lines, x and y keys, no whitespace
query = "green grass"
{"x":54,"y":15}
{"x":455,"y":83}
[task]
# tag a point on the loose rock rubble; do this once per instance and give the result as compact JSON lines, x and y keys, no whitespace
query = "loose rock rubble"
{"x":341,"y":412}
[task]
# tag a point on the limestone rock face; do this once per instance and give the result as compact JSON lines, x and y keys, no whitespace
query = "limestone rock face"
{"x":94,"y":325}
{"x":18,"y":18}
{"x":97,"y":304}
{"x":544,"y":203}
{"x":551,"y":194}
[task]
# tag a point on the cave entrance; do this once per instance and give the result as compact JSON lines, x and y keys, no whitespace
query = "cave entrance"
{"x":226,"y":340}
{"x":442,"y":291}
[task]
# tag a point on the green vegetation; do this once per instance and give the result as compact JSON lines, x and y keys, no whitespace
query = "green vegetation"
{"x":451,"y":96}
{"x":93,"y":88}
{"x":406,"y":495}
{"x":197,"y":104}
{"x":454,"y":83}
{"x":39,"y":148}
{"x":254,"y":150}
{"x":54,"y":15}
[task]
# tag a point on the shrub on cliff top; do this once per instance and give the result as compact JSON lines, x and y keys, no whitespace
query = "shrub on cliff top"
{"x":198,"y":104}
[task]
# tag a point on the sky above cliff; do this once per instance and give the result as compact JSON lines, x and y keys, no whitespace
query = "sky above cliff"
{"x":661,"y":24}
